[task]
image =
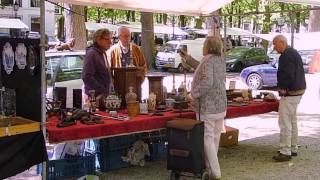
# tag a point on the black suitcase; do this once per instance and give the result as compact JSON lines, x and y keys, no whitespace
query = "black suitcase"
{"x":185,"y":153}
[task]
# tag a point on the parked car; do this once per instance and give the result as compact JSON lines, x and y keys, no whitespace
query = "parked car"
{"x":265,"y":75}
{"x":64,"y":69}
{"x":241,"y":57}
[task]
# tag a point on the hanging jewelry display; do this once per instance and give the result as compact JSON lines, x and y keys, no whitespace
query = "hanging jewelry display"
{"x":21,"y":56}
{"x":8,"y":58}
{"x":32,"y":60}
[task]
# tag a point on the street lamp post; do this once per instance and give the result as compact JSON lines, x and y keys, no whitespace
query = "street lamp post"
{"x":15,"y":9}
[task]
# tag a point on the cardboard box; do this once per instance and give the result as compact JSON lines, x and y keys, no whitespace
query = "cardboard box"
{"x":230,"y":137}
{"x":17,"y":125}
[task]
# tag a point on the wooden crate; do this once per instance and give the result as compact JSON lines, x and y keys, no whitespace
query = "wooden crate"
{"x":230,"y":137}
{"x":18,"y":125}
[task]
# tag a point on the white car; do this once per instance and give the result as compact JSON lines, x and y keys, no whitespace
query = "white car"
{"x":64,"y":69}
{"x":168,"y":55}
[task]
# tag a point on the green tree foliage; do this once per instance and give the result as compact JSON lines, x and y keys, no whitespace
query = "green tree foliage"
{"x":264,"y":20}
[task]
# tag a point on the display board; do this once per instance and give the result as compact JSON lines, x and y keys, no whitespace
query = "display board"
{"x":21,"y":77}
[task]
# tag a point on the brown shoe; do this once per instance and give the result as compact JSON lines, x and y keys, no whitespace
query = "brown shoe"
{"x":281,"y":157}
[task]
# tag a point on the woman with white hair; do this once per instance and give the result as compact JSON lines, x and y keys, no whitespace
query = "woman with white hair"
{"x":209,"y":100}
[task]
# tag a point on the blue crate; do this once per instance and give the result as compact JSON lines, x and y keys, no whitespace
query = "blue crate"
{"x":111,"y":160}
{"x":158,"y":150}
{"x":118,"y":142}
{"x":68,"y":168}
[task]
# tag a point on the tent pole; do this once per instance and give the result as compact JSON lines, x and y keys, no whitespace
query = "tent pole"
{"x":225,"y":33}
{"x":43,"y":77}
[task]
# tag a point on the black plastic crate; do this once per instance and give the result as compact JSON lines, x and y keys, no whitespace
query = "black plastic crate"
{"x":158,"y":150}
{"x":69,"y":168}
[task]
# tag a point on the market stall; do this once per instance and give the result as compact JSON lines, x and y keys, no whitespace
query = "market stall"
{"x":141,"y":123}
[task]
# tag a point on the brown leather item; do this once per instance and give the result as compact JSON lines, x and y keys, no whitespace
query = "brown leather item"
{"x":179,"y":152}
{"x":295,"y":92}
{"x":183,"y":124}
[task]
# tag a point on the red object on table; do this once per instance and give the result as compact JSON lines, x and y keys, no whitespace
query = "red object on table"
{"x":140,"y":123}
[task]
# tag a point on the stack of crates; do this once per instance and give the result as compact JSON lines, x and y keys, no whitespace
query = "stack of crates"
{"x":110,"y":150}
{"x":71,"y":168}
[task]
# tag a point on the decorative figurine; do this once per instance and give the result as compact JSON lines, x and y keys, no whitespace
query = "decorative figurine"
{"x":8,"y":58}
{"x":152,"y":101}
{"x":92,"y":101}
{"x":131,"y":96}
{"x":21,"y":56}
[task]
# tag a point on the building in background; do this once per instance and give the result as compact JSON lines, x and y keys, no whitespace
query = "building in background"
{"x":29,"y":13}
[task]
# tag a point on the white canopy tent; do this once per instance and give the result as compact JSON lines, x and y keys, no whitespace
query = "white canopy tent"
{"x":302,"y":41}
{"x":184,"y":7}
{"x":307,"y":2}
{"x":230,"y":31}
{"x":8,"y":23}
{"x":92,"y":26}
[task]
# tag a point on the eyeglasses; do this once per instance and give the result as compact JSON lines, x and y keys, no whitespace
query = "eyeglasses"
{"x":106,"y":39}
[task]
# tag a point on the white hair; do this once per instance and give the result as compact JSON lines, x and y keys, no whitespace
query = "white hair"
{"x":121,"y":28}
{"x":281,"y":38}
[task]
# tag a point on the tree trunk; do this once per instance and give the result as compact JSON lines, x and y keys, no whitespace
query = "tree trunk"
{"x":160,"y":18}
{"x":165,"y":18}
{"x":298,"y":22}
{"x":231,"y":12}
{"x":314,"y":23}
{"x":61,"y":33}
{"x":266,"y":26}
{"x":128,"y":13}
{"x":182,"y":20}
{"x":86,"y":14}
{"x":199,"y":22}
{"x":147,"y":39}
{"x":99,"y":15}
{"x":282,"y":9}
{"x":133,"y":16}
{"x":75,"y":27}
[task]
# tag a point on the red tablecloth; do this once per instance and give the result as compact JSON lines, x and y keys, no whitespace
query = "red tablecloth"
{"x":140,"y":123}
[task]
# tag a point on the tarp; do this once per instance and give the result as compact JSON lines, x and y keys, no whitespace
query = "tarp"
{"x":230,"y":31}
{"x":12,"y":24}
{"x":302,"y":41}
{"x":92,"y":26}
{"x":308,"y":2}
{"x":183,"y":7}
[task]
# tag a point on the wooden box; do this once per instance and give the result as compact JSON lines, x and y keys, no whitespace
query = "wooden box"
{"x":18,"y":125}
{"x":230,"y":137}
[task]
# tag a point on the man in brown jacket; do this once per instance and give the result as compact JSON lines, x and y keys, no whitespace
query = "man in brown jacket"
{"x":121,"y":53}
